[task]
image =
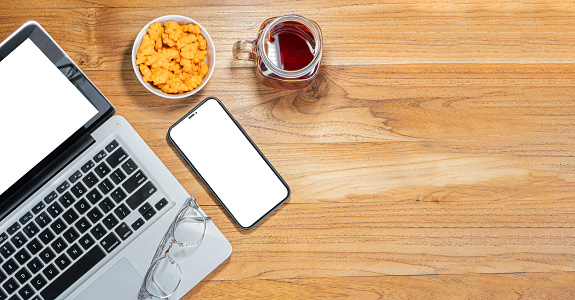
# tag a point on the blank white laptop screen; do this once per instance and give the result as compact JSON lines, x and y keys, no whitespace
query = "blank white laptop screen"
{"x":39,"y":109}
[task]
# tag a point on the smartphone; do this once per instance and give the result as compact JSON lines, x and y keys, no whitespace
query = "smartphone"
{"x":229,"y":163}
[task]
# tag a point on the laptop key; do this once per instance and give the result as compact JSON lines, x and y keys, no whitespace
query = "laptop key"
{"x":106,"y":205}
{"x":144,"y":208}
{"x":10,"y":266}
{"x":112,"y":146}
{"x":90,"y":180}
{"x":26,"y":217}
{"x":34,"y":246}
{"x":50,"y":272}
{"x":122,"y":211}
{"x":70,"y":216}
{"x":118,"y":195}
{"x":10,"y":286}
{"x":67,"y":200}
{"x":123,"y":231}
{"x":86,"y":242}
{"x":110,"y":242}
{"x":51,"y":197}
{"x":71,"y":235}
{"x":31,"y":230}
{"x":161,"y":204}
{"x":63,"y":187}
{"x":117,"y":157}
{"x":38,"y":208}
{"x":74,"y":252}
{"x":98,"y":157}
{"x":110,"y":221}
{"x":47,"y":255}
{"x":12,"y":229}
{"x":102,"y":170}
{"x":23,"y":275}
{"x":58,"y":226}
{"x":94,"y":215}
{"x":6,"y":250}
{"x":43,"y":219}
{"x":129,"y":166}
{"x":74,"y":177}
{"x":118,"y":176}
{"x":141,"y":195}
{"x":135,"y":181}
{"x":82,"y":206}
{"x":3,"y":296}
{"x":62,"y":261}
{"x":87,"y":166}
{"x":19,"y":240}
{"x":94,"y":196}
{"x":54,"y":209}
{"x":138,"y":223}
{"x":82,"y":225}
{"x":106,"y":186}
{"x":75,"y":272}
{"x":98,"y":231}
{"x":46,"y":236}
{"x":22,"y":256}
{"x":26,"y":292}
{"x":59,"y":245}
{"x":78,"y":190}
{"x":35,"y":265}
{"x":38,"y":282}
{"x":149,"y":213}
{"x":3,"y":237}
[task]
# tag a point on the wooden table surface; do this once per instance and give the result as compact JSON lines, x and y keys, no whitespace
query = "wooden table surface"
{"x":433,"y":158}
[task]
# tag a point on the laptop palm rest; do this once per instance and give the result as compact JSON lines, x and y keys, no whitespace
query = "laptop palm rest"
{"x":122,"y":281}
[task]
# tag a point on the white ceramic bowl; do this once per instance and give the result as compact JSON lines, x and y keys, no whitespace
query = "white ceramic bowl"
{"x":210,"y":58}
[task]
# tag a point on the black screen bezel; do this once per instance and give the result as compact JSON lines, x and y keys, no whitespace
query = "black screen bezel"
{"x":46,"y":168}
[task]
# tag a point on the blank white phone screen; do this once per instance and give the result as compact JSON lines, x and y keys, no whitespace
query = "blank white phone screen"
{"x":228,"y":163}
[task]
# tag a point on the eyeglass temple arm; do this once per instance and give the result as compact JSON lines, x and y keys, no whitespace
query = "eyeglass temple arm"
{"x":199,"y":219}
{"x":143,"y":293}
{"x":192,"y":203}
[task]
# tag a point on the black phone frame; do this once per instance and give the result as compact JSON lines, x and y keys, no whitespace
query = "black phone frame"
{"x":251,"y":142}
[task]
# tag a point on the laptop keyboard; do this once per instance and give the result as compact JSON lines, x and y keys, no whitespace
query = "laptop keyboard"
{"x":96,"y":210}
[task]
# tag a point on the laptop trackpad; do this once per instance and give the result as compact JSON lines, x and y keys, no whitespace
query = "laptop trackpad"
{"x":122,"y":281}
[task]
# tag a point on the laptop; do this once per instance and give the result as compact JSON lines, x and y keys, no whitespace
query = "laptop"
{"x":84,"y":202}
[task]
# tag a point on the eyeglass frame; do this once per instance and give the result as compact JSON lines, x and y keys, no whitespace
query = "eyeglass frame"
{"x":170,"y":233}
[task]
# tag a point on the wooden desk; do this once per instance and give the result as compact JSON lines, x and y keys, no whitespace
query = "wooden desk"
{"x":435,"y":157}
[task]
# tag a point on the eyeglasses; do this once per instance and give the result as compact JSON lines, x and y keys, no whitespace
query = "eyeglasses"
{"x":187,"y":230}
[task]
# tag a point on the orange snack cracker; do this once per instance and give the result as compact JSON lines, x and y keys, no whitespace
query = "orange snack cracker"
{"x":171,"y":57}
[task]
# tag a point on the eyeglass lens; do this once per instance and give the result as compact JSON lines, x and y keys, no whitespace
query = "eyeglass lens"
{"x":165,"y":279}
{"x":166,"y":274}
{"x":190,"y":228}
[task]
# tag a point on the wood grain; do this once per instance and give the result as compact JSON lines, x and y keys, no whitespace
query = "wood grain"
{"x":433,"y":157}
{"x":508,"y":286}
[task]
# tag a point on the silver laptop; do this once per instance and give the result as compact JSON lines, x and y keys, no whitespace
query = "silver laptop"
{"x":84,"y":202}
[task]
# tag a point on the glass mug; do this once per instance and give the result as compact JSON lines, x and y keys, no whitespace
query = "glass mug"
{"x":287,"y":52}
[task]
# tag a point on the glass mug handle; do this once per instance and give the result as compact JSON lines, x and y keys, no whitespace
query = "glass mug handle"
{"x":244,"y":49}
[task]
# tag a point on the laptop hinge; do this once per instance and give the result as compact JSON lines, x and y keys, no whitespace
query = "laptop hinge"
{"x":40,"y":179}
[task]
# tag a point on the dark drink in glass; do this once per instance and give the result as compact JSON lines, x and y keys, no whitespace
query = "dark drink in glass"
{"x":287,"y":52}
